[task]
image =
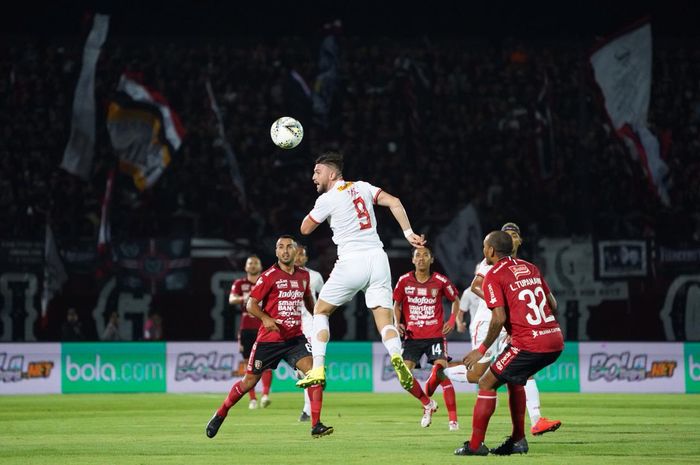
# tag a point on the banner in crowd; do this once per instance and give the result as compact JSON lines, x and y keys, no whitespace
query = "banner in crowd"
{"x":154,"y":265}
{"x":144,"y":130}
{"x":622,"y":69}
{"x":30,"y":368}
{"x":113,"y":367}
{"x":77,"y":158}
{"x":459,"y":246}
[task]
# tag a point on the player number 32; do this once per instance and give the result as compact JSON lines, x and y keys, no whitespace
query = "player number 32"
{"x":530,"y":298}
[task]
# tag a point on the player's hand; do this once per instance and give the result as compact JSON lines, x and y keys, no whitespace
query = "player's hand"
{"x":507,"y":339}
{"x":402,"y":329}
{"x":271,"y":325}
{"x":447,"y":328}
{"x":461,"y":327}
{"x":416,"y":241}
{"x":471,"y":359}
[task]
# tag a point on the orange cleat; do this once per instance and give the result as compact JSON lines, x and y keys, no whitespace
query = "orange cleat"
{"x":545,"y":425}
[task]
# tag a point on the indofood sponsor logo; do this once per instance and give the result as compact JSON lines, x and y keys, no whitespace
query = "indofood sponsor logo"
{"x":113,"y":367}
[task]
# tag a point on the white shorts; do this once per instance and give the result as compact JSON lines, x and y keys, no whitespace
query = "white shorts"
{"x":478,"y":330}
{"x":366,"y":271}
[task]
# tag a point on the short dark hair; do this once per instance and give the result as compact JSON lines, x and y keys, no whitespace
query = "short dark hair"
{"x":287,"y":236}
{"x":501,"y":242}
{"x":331,"y":158}
{"x":253,"y":256}
{"x":426,"y":246}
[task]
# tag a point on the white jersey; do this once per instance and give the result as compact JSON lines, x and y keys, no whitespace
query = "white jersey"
{"x":349,"y":208}
{"x":482,"y":312}
{"x":469,"y":303}
{"x":315,"y":285}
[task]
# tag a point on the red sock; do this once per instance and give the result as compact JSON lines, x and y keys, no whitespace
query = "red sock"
{"x":266,"y":381}
{"x":233,"y":396}
{"x":516,"y":401}
{"x":448,"y":393}
{"x":433,"y":380}
{"x":483,"y":409}
{"x":418,"y":393}
{"x":316,"y":398}
{"x":251,"y":394}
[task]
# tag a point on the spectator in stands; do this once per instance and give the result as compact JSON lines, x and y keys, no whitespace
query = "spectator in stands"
{"x":72,"y":329}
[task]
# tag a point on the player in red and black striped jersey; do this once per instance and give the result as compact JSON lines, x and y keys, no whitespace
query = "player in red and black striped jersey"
{"x":520,"y":300}
{"x":248,"y":327}
{"x":276,"y":300}
{"x":418,"y":310}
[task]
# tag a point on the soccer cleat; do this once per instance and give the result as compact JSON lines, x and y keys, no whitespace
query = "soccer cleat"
{"x":265,"y":401}
{"x":402,"y":371}
{"x":510,"y":447}
{"x":320,"y":429}
{"x":304,"y":416}
{"x":428,"y":411}
{"x":545,"y":425}
{"x":313,"y":377}
{"x":253,"y":404}
{"x":453,"y":425}
{"x":465,"y":450}
{"x":214,"y":425}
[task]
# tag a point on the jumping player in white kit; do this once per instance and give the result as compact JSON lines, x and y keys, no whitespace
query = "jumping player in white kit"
{"x":362,"y":264}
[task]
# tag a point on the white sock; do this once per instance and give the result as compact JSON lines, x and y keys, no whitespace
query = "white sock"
{"x":307,"y":402}
{"x":318,"y":348}
{"x":457,"y":373}
{"x":532,"y":395}
{"x":393,"y":345}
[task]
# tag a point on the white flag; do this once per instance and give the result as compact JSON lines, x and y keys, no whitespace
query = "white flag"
{"x":54,"y":273}
{"x":459,"y":246}
{"x":622,"y":69}
{"x":77,"y":158}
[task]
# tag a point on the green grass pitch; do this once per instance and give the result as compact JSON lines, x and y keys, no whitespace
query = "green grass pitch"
{"x":380,"y":429}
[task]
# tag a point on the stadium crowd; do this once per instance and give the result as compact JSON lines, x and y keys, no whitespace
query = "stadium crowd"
{"x":440,"y":123}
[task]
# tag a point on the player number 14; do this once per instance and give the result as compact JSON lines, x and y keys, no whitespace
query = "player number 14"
{"x":530,"y":299}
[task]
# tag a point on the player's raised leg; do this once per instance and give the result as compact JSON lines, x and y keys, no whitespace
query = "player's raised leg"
{"x":237,"y":391}
{"x":540,"y":424}
{"x":383,"y":318}
{"x":319,"y":341}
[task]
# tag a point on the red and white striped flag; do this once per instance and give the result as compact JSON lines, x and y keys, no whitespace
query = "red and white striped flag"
{"x":622,"y":69}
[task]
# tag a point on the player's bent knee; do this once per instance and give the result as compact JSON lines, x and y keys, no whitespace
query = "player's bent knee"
{"x":323,"y":335}
{"x":389,"y":332}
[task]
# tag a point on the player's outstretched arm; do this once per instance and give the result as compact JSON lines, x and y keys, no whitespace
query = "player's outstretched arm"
{"x":396,"y":207}
{"x":308,"y":226}
{"x":476,"y":286}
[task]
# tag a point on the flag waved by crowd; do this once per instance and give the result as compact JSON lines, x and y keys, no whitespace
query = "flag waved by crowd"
{"x":144,"y":130}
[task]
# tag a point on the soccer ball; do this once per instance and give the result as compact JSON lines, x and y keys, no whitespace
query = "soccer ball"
{"x":286,"y":132}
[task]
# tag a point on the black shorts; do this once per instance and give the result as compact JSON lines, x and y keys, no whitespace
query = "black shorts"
{"x":434,"y":348}
{"x":246,"y":339}
{"x":266,"y":355}
{"x":515,"y":366}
